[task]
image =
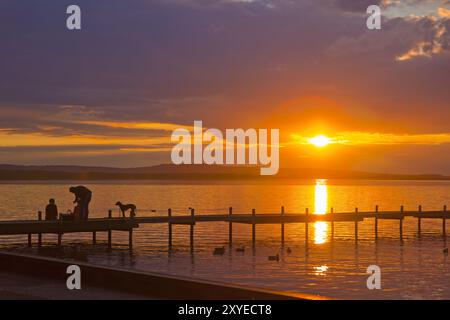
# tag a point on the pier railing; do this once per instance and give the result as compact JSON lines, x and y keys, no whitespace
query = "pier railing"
{"x":110,"y":224}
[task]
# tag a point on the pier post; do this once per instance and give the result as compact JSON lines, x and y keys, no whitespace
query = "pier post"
{"x":192,"y":230}
{"x":109,"y":231}
{"x":332,"y":223}
{"x":94,"y":237}
{"x":443,"y":223}
{"x":356,"y":226}
{"x":253,"y":228}
{"x":230,"y":227}
{"x":39,"y":234}
{"x":130,"y":239}
{"x":282,"y":227}
{"x":169,"y":213}
{"x":402,"y":209}
{"x":419,"y":222}
{"x":130,"y":234}
{"x":29,"y":239}
{"x":59,"y":233}
{"x":376,"y":222}
{"x":306,"y":227}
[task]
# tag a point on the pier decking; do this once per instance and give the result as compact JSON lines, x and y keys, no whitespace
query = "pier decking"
{"x":110,"y":224}
{"x":59,"y":227}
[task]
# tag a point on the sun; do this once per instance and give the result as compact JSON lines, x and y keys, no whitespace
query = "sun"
{"x":319,"y":141}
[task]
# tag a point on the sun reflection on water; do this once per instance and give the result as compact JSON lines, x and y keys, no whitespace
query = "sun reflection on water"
{"x":321,"y":270}
{"x":320,"y":207}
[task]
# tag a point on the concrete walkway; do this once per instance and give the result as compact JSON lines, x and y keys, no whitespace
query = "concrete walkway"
{"x":21,"y":287}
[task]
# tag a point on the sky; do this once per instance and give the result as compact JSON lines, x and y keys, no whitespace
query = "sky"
{"x":111,"y":93}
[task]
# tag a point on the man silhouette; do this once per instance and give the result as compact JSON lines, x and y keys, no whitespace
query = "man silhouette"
{"x":82,"y":196}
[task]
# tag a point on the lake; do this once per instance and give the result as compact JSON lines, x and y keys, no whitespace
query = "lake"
{"x":414,"y":269}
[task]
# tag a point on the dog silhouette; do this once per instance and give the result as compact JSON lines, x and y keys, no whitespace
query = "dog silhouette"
{"x":125,"y":207}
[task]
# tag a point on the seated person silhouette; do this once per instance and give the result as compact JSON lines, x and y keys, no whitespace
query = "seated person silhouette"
{"x":51,"y":211}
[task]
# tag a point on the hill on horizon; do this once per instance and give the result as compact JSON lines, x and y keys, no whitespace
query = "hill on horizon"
{"x":189,"y":172}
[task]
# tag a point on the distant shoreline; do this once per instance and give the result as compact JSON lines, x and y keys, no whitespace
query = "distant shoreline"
{"x":274,"y":182}
{"x":197,"y":173}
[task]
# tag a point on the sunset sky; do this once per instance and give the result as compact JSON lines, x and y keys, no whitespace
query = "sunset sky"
{"x":111,"y":93}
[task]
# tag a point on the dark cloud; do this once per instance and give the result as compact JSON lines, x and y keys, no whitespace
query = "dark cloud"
{"x":228,"y":63}
{"x":174,"y":60}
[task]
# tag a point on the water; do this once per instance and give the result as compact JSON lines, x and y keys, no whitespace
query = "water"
{"x":416,"y":268}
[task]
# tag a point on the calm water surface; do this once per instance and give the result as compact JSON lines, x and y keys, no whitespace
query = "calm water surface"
{"x":416,"y":268}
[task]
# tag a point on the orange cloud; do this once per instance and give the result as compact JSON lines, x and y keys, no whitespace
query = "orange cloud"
{"x":427,"y":48}
{"x":368,"y":138}
{"x":443,"y":12}
{"x":137,"y":125}
{"x":37,"y":139}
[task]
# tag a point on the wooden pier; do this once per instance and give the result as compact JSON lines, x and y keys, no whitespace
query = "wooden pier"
{"x":60,"y":227}
{"x":109,"y":224}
